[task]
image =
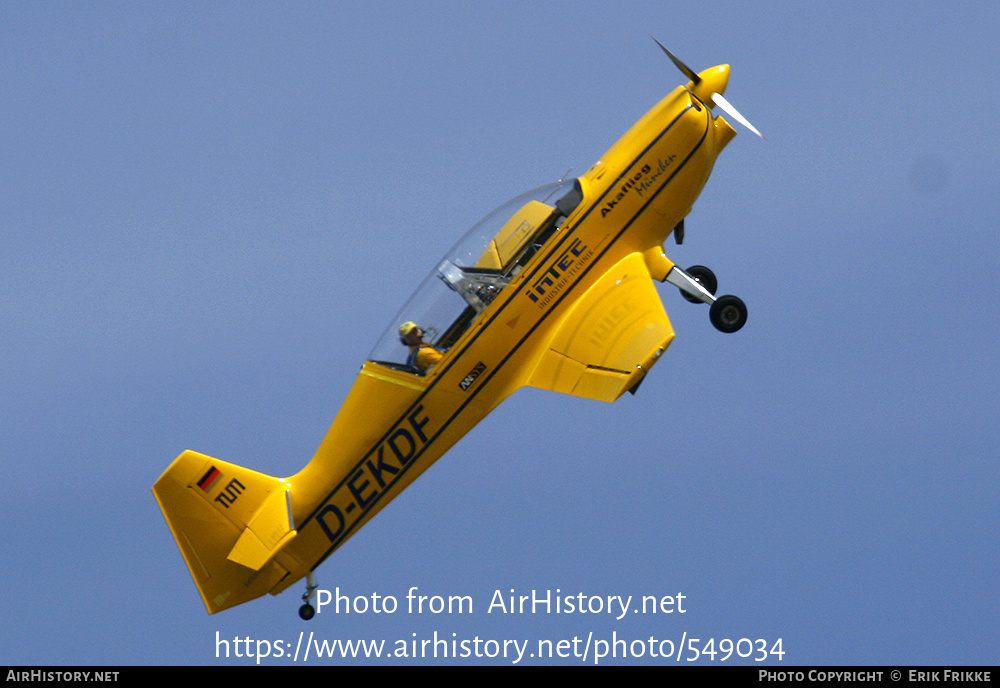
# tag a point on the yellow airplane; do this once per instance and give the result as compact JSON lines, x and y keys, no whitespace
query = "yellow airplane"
{"x":553,"y":290}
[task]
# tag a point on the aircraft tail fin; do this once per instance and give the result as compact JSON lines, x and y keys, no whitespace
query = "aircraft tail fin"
{"x":231,"y":524}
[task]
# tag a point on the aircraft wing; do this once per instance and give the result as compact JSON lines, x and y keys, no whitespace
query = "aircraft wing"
{"x":612,"y":335}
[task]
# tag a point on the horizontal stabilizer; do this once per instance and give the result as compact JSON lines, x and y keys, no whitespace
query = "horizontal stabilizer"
{"x":267,"y":533}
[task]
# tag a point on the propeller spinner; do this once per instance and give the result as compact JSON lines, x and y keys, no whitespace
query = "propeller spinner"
{"x":708,"y":87}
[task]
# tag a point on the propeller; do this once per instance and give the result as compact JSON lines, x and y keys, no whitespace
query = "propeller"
{"x":712,"y":98}
{"x":728,"y":108}
{"x":687,"y":71}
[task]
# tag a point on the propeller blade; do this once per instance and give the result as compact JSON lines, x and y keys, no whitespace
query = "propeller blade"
{"x":687,"y":71}
{"x":728,"y":108}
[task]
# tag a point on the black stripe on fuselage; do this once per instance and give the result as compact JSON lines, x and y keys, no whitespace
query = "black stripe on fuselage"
{"x":514,"y":293}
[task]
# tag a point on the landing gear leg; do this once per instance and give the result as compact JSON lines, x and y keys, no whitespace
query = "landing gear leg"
{"x":307,"y":611}
{"x":728,"y":313}
{"x":704,"y":277}
{"x":691,"y":285}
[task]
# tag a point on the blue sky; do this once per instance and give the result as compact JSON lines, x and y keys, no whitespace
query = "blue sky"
{"x":209,"y":212}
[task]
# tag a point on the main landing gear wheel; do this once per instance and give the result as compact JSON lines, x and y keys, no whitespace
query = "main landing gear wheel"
{"x":705,"y":277}
{"x":306,"y":612}
{"x":728,"y":313}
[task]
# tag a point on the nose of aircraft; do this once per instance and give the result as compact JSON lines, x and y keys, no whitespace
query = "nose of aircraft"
{"x":708,"y":87}
{"x":710,"y":82}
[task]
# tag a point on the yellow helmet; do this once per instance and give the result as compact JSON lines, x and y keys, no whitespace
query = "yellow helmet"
{"x":407,"y":327}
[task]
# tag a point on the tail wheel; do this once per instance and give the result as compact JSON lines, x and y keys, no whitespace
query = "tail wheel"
{"x":728,"y":313}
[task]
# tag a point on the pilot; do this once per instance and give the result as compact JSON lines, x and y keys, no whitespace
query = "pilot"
{"x":422,"y":354}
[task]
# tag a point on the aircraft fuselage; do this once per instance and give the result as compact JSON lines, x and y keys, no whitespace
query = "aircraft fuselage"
{"x":394,"y":425}
{"x":558,"y":295}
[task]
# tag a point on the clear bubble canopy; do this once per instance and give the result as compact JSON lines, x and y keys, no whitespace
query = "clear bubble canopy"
{"x":466,"y":281}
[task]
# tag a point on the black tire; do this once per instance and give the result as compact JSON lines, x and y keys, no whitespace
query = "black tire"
{"x":705,"y":277}
{"x":306,"y":612}
{"x":728,"y":313}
